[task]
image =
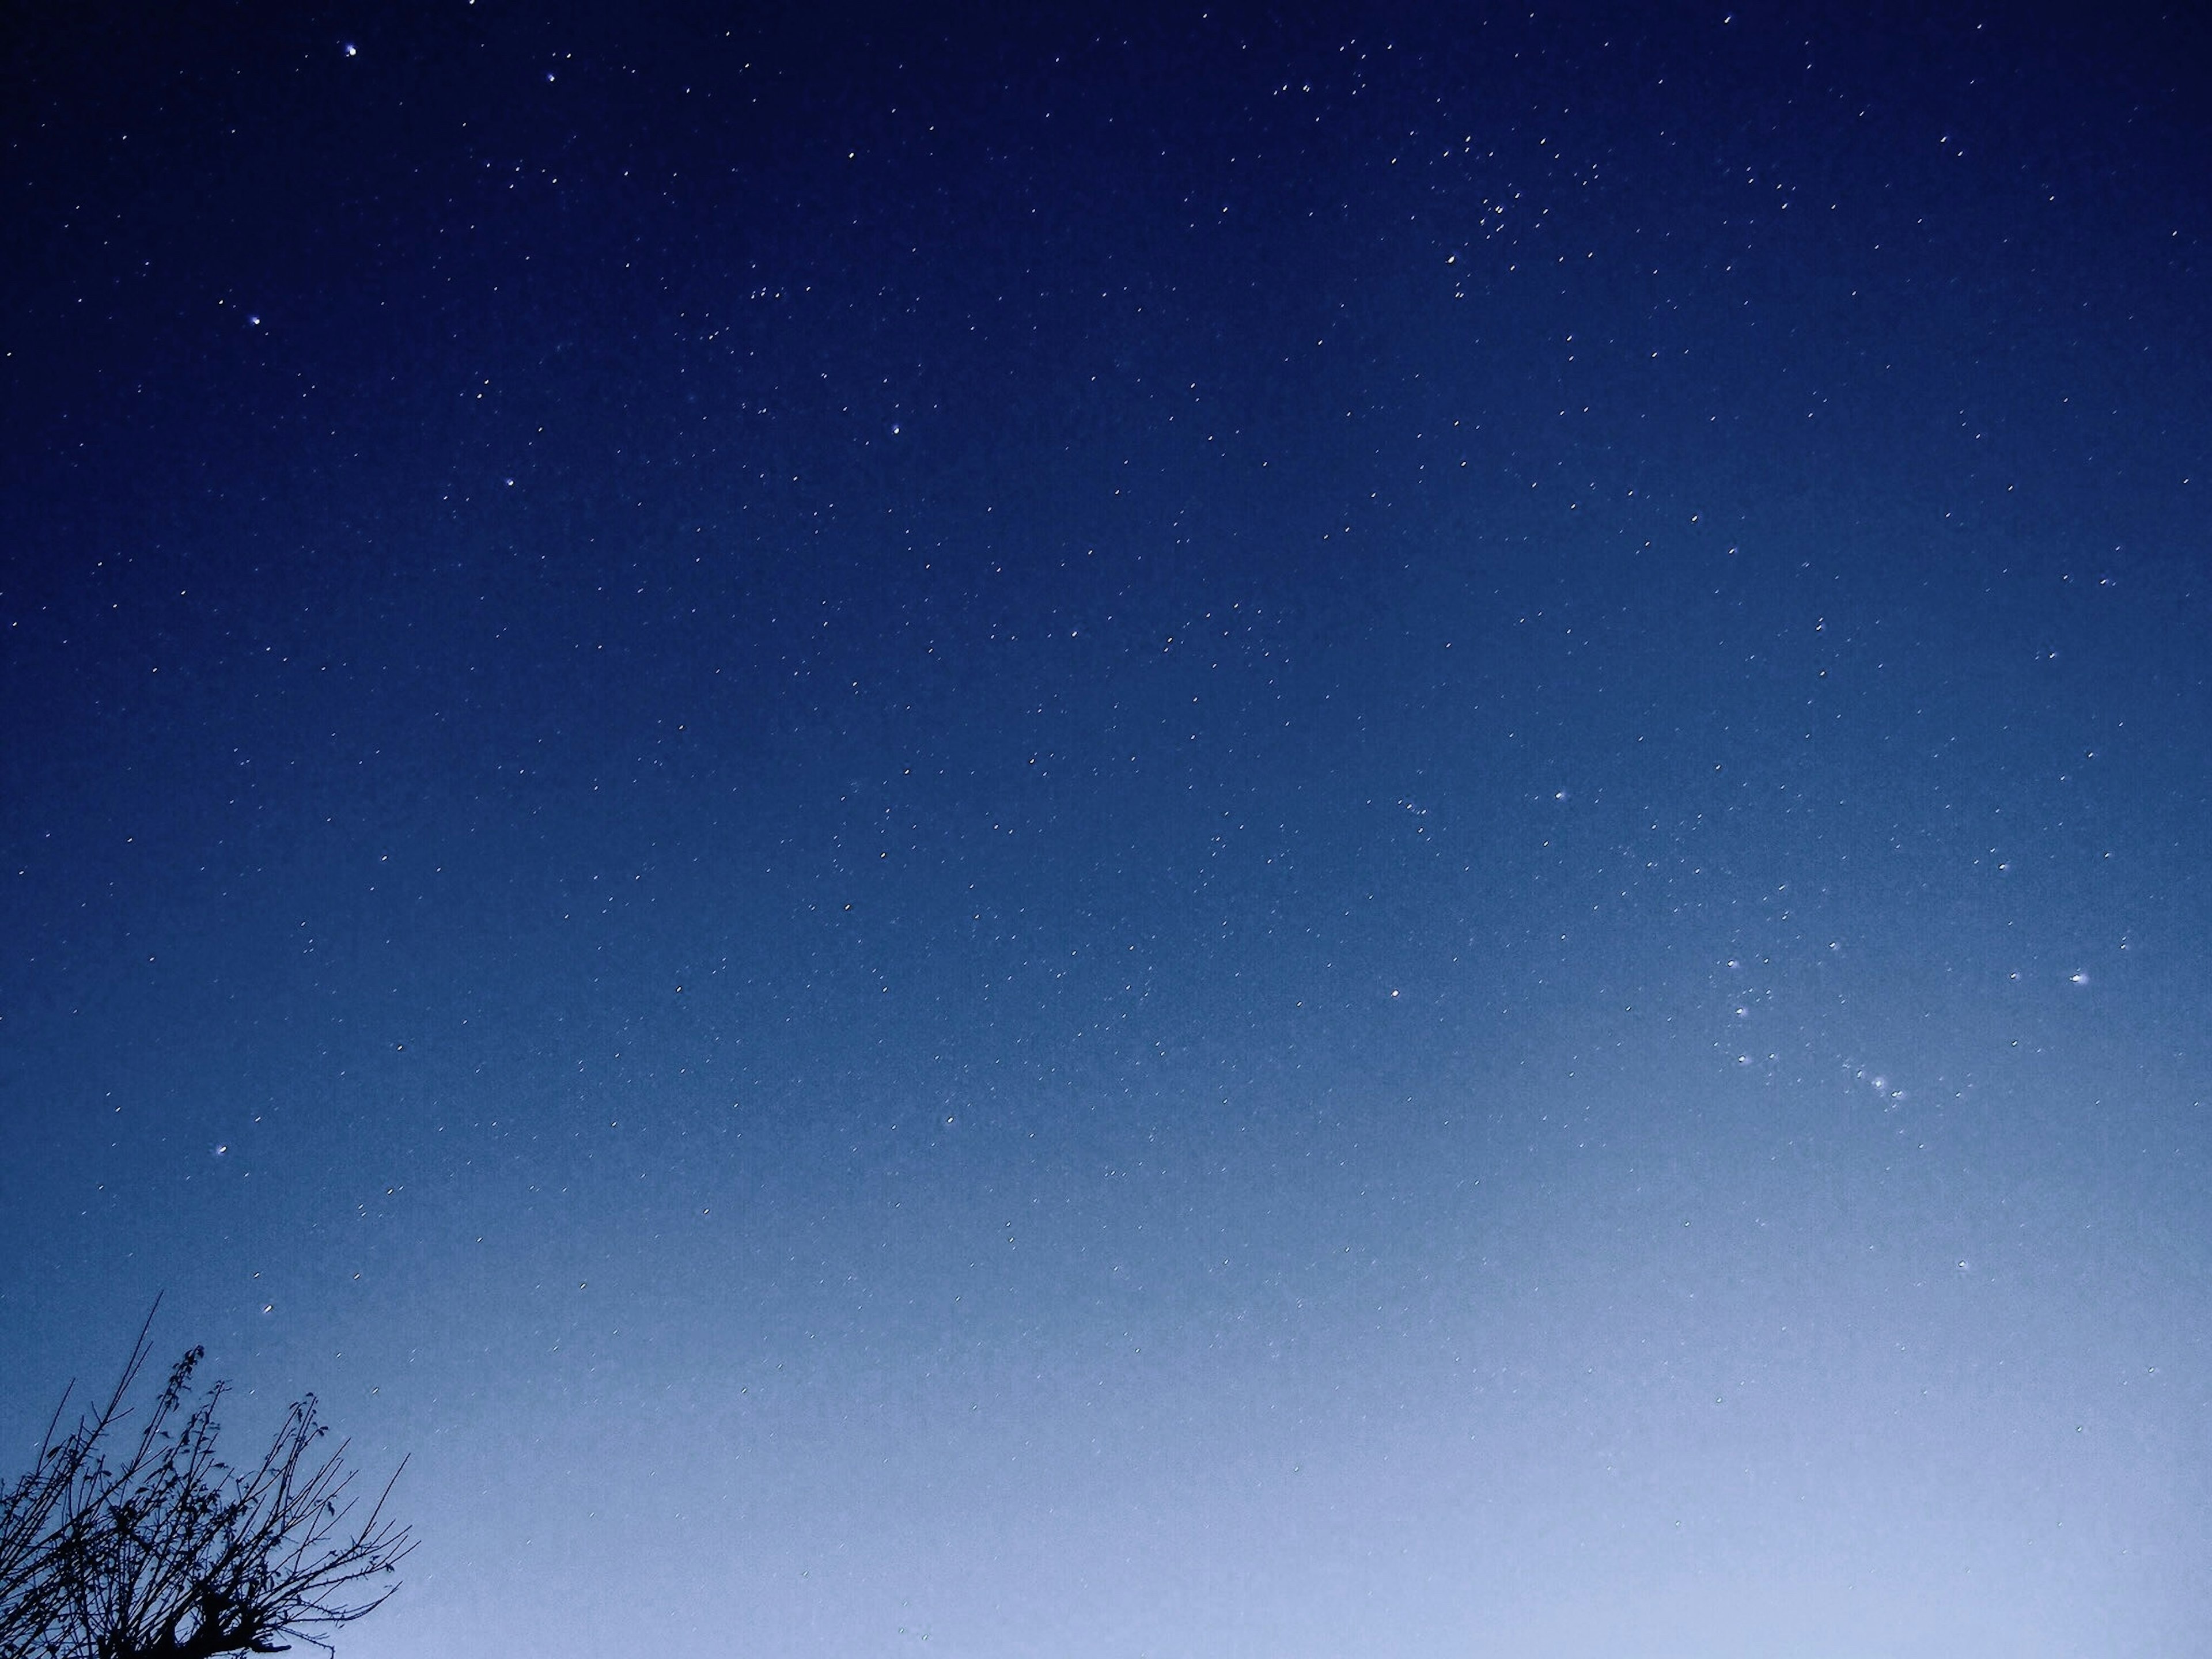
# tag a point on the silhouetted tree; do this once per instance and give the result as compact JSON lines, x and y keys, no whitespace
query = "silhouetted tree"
{"x":158,"y":1549}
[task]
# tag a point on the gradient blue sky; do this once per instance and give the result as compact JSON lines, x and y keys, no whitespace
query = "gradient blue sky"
{"x":1169,"y":834}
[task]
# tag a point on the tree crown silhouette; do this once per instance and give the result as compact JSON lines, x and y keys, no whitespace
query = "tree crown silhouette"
{"x":153,"y":1547}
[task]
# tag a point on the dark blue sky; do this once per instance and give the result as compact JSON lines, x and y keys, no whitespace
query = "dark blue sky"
{"x":1168,"y":834}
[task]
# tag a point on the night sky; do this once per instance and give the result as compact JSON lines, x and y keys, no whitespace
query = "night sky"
{"x":1150,"y":833}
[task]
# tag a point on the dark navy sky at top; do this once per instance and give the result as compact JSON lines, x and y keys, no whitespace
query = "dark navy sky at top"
{"x":599,"y":611}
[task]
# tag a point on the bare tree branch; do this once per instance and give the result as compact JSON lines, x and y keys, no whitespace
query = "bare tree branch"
{"x":30,"y":1509}
{"x":172,"y":1553}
